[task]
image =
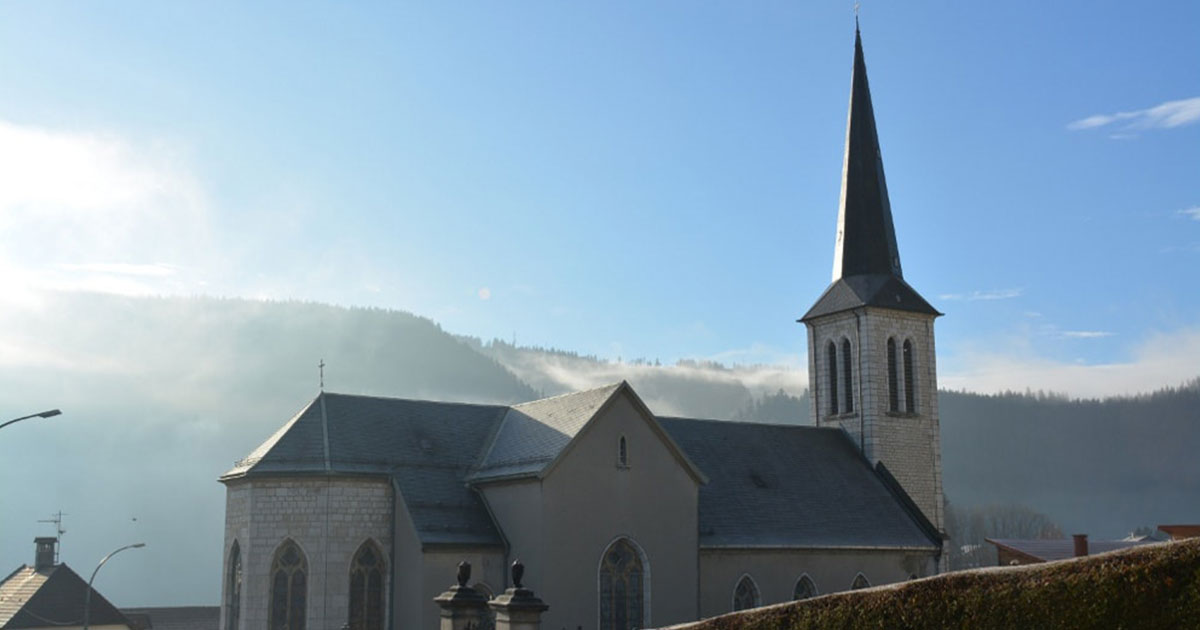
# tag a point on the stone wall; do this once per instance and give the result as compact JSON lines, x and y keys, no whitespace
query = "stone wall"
{"x":908,"y":442}
{"x":328,"y":517}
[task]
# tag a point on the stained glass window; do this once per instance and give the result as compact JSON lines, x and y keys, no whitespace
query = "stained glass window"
{"x":804,"y":588}
{"x":622,"y":588}
{"x":366,"y":588}
{"x":233,"y":588}
{"x":745,"y":594}
{"x":289,"y":588}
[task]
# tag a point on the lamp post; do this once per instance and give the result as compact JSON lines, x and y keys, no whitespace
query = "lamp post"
{"x":87,"y":597}
{"x":45,"y":414}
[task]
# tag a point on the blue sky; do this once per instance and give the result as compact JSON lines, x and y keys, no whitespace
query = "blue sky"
{"x":622,"y":179}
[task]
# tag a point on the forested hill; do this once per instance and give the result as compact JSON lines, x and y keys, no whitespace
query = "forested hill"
{"x":1101,"y":467}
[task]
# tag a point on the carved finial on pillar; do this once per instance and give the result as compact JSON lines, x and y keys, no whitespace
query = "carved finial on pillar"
{"x":463,"y":608}
{"x":464,"y":573}
{"x":518,"y":608}
{"x":518,"y":572}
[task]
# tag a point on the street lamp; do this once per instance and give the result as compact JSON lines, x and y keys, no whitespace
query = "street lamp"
{"x":45,"y":414}
{"x":87,"y":597}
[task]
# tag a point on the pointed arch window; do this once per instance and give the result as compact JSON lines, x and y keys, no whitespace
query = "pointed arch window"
{"x":622,"y":587}
{"x":745,"y":594}
{"x":831,"y":359}
{"x":233,"y":588}
{"x":910,"y":391}
{"x":366,"y":588}
{"x":847,"y":377}
{"x":622,"y":453}
{"x":289,"y":588}
{"x":860,"y":581}
{"x":893,"y":380}
{"x":804,"y":589}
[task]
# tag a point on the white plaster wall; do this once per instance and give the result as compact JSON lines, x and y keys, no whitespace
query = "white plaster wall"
{"x":589,"y":501}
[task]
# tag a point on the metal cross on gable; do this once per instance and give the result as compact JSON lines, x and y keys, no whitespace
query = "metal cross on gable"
{"x":321,"y":368}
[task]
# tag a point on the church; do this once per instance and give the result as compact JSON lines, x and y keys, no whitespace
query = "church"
{"x":356,"y":512}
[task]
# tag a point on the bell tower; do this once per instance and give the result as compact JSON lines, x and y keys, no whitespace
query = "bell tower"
{"x":871,"y":362}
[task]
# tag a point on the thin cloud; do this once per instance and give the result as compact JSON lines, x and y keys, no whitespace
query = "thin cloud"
{"x":156,"y":270}
{"x":1086,"y":334}
{"x":1162,"y":360}
{"x":994,"y":294}
{"x":1163,"y":116}
{"x":1193,"y":212}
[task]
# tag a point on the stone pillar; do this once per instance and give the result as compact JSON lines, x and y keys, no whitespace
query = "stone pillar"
{"x":463,"y":608}
{"x":518,"y":608}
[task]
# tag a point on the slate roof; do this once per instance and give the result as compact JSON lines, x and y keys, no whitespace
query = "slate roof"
{"x":51,"y":597}
{"x":790,"y":486}
{"x":761,"y":485}
{"x":884,"y":291}
{"x":426,"y":447}
{"x":175,"y":617}
{"x":533,"y":434}
{"x":1061,"y":548}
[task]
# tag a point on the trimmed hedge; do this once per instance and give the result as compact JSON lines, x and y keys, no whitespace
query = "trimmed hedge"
{"x":1154,"y":586}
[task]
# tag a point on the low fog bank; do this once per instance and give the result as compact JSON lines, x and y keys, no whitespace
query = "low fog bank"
{"x":161,"y":395}
{"x":699,"y":389}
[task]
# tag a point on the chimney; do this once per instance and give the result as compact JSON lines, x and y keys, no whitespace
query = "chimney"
{"x":46,"y":552}
{"x":1081,"y":547}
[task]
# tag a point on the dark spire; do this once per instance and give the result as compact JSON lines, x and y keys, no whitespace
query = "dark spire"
{"x":866,"y":240}
{"x":866,"y":261}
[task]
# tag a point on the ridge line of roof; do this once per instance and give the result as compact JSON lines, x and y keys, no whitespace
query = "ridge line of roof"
{"x":421,"y":400}
{"x":576,"y":393}
{"x":751,"y":422}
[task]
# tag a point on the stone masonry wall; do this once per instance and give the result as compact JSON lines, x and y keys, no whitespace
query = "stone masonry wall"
{"x":329,"y":518}
{"x":908,"y":443}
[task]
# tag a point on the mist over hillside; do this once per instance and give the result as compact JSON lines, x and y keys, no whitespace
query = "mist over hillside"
{"x":161,"y":395}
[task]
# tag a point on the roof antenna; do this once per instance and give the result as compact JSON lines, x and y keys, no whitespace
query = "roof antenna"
{"x":56,"y":518}
{"x":321,"y":368}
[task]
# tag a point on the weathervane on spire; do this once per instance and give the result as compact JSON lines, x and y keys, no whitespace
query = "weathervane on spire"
{"x":856,"y":5}
{"x":321,"y":368}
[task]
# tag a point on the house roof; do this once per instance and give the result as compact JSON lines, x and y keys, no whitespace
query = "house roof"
{"x":53,"y":596}
{"x":791,"y":486}
{"x":1060,"y":548}
{"x":818,"y":491}
{"x":175,"y":617}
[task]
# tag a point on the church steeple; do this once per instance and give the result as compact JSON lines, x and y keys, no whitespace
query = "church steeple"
{"x":866,"y":259}
{"x":866,"y":240}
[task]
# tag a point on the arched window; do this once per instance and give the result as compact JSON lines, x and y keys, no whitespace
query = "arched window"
{"x":366,"y":588}
{"x":745,"y":594}
{"x":833,"y":377}
{"x":289,"y":588}
{"x":847,"y":376}
{"x":860,"y":581}
{"x":622,"y":453}
{"x":804,"y":589}
{"x":893,"y":381}
{"x":233,"y":588}
{"x":622,"y":587}
{"x":910,"y":391}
